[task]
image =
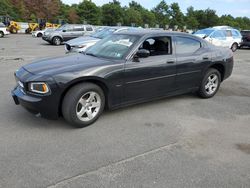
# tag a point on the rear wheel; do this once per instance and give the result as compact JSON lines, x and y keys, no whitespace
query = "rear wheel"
{"x":57,"y":41}
{"x":1,"y":34}
{"x":39,"y":35}
{"x":83,"y":104}
{"x":234,"y":47}
{"x":210,"y":83}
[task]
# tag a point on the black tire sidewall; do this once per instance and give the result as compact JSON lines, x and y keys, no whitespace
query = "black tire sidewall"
{"x":202,"y":91}
{"x":39,"y":35}
{"x":71,"y":99}
{"x":1,"y":34}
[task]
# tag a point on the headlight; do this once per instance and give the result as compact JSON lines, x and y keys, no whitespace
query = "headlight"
{"x":38,"y":87}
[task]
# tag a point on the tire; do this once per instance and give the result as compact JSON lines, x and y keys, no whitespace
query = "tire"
{"x":57,"y":41}
{"x":39,"y":35}
{"x":1,"y":34}
{"x":234,"y":47}
{"x":78,"y":107}
{"x":208,"y":87}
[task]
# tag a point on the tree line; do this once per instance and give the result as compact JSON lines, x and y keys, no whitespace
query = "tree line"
{"x":162,"y":15}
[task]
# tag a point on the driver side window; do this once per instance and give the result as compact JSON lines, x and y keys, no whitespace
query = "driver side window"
{"x":157,"y":46}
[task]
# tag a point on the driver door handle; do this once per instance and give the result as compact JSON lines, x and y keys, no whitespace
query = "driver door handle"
{"x":170,"y":61}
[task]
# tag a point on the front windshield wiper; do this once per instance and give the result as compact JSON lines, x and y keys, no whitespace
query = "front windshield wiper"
{"x":91,"y":54}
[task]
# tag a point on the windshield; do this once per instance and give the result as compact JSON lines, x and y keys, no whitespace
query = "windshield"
{"x":104,"y":33}
{"x":113,"y":47}
{"x":204,"y":32}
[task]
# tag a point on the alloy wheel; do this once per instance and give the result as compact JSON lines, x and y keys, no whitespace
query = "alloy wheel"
{"x":212,"y":84}
{"x":88,"y":106}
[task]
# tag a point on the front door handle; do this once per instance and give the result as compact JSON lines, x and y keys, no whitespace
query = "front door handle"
{"x":205,"y":58}
{"x":170,"y":61}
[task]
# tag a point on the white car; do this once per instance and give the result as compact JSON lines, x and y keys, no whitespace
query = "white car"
{"x":3,"y":30}
{"x":223,"y":36}
{"x":40,"y":33}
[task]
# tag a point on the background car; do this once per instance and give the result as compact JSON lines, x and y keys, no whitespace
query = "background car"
{"x":3,"y":30}
{"x":121,"y":69}
{"x":80,"y":44}
{"x":223,"y":36}
{"x":245,"y":38}
{"x":68,"y":32}
{"x":40,"y":33}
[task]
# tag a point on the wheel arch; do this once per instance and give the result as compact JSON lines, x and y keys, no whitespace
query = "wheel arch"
{"x":220,"y":68}
{"x":95,"y":80}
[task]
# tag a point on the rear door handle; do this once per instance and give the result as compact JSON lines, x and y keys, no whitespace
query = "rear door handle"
{"x":205,"y":58}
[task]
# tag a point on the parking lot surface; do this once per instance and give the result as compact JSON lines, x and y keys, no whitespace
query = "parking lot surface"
{"x":181,"y":141}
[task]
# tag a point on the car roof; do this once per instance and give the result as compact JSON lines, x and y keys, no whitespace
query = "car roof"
{"x":142,"y":32}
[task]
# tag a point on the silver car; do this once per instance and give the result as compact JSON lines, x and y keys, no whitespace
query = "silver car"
{"x":80,"y":44}
{"x":68,"y":32}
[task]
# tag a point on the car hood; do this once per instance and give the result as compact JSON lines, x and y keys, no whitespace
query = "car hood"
{"x":82,"y":40}
{"x":63,"y":64}
{"x":200,"y":35}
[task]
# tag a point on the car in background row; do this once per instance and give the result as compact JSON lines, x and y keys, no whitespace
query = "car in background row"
{"x":245,"y":38}
{"x":68,"y":32}
{"x":40,"y":33}
{"x":80,"y":44}
{"x":3,"y":30}
{"x":122,"y":69}
{"x":223,"y":36}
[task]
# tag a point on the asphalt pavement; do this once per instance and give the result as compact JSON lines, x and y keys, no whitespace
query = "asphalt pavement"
{"x":181,"y":141}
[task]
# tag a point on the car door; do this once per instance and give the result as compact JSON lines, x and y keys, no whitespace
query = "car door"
{"x":67,"y":32}
{"x":78,"y":31}
{"x":229,"y":38}
{"x":190,"y":57}
{"x":218,"y":38}
{"x":153,"y":76}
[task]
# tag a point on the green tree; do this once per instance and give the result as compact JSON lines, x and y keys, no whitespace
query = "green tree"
{"x":161,"y":12}
{"x":147,"y":16}
{"x":190,"y":19}
{"x":89,"y":12}
{"x":112,"y":13}
{"x":132,"y":16}
{"x":177,"y":17}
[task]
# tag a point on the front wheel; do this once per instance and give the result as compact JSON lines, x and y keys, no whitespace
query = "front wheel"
{"x":83,"y":104}
{"x":57,"y":41}
{"x":210,"y":83}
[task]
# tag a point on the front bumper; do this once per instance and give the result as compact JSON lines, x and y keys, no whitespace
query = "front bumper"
{"x":46,"y":38}
{"x":36,"y":104}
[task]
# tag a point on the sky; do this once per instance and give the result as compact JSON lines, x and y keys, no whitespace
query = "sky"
{"x":234,"y":7}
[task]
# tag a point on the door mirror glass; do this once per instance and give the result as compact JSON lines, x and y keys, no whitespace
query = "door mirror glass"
{"x":143,"y":53}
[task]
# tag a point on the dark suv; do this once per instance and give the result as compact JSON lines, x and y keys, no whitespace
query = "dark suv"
{"x":68,"y":32}
{"x":245,"y":38}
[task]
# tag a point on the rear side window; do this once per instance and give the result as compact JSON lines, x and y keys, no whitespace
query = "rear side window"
{"x":186,"y":45}
{"x":219,"y":35}
{"x":78,"y":28}
{"x":235,"y":33}
{"x":89,"y":28}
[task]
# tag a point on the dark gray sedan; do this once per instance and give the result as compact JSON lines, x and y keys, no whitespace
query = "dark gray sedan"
{"x":120,"y":70}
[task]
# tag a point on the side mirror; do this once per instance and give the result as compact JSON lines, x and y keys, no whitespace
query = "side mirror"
{"x":205,"y":36}
{"x":143,"y":53}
